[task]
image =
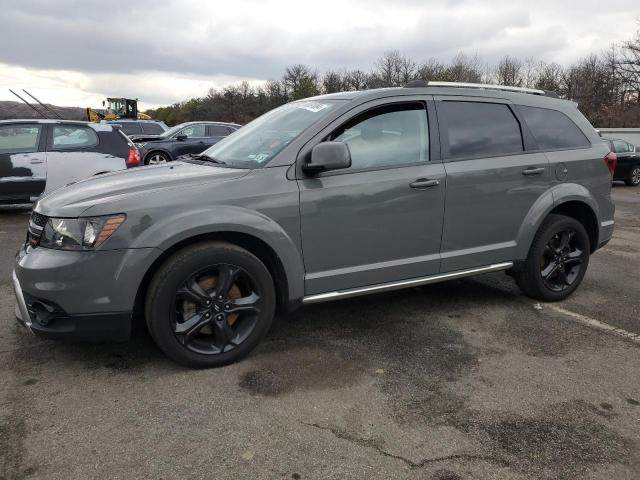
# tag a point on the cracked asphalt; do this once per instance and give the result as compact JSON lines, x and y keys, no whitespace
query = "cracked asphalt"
{"x":460,"y":380}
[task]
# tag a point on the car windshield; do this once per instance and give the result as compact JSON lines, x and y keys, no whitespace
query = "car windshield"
{"x":255,"y":144}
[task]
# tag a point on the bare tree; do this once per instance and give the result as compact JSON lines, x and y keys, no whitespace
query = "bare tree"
{"x":332,"y":82}
{"x":509,"y":71}
{"x":550,"y":77}
{"x":356,"y":80}
{"x":301,"y":81}
{"x":432,"y":69}
{"x":464,"y":69}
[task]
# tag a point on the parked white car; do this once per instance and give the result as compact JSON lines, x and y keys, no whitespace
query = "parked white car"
{"x":39,"y":156}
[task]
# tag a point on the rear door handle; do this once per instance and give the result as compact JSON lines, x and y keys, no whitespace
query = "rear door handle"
{"x":36,"y":160}
{"x":424,"y":183}
{"x":533,"y":171}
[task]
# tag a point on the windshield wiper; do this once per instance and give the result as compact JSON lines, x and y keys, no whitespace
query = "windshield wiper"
{"x":207,"y":158}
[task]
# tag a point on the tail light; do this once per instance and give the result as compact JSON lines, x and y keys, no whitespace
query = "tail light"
{"x":134,"y":157}
{"x":611,"y":160}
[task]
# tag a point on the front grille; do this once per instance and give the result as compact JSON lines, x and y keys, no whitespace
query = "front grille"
{"x":36,"y":224}
{"x":38,"y":219}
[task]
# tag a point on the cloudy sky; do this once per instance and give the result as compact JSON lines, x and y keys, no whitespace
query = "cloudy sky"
{"x":77,"y":52}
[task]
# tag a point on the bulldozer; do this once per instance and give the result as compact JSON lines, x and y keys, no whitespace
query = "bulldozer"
{"x":117,"y":108}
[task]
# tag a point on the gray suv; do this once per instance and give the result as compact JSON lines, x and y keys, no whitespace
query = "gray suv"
{"x":321,"y":199}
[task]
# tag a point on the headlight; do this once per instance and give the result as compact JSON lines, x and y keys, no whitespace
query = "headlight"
{"x":79,"y":233}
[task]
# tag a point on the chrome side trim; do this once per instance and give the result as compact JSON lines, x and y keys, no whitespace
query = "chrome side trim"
{"x":414,"y":282}
{"x":21,"y":304}
{"x":607,"y":223}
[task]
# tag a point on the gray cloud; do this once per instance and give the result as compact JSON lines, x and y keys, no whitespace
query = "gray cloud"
{"x":257,"y":39}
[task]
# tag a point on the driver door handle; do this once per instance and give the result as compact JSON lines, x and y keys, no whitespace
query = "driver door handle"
{"x":424,"y":183}
{"x":533,"y":171}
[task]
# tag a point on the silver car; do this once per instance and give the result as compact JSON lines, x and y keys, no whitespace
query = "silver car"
{"x":39,"y":156}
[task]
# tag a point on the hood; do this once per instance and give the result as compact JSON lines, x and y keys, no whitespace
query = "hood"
{"x":74,"y":199}
{"x":145,"y":138}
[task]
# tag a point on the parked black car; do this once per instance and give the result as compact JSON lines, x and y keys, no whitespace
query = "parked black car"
{"x":189,"y":137}
{"x":140,"y":127}
{"x":39,"y":156}
{"x":628,"y":168}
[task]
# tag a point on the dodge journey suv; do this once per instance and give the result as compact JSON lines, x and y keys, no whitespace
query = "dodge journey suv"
{"x":321,"y":199}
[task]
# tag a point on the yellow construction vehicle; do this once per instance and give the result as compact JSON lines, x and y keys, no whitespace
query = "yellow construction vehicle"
{"x":117,"y":108}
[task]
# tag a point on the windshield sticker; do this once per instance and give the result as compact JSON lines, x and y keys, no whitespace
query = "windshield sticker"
{"x":314,"y":107}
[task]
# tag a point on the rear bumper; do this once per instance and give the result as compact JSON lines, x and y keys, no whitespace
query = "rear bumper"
{"x":606,"y":232}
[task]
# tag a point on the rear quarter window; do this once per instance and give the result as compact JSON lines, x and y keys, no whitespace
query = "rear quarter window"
{"x":131,"y":128}
{"x":552,"y":129}
{"x":72,"y":136}
{"x":152,"y":128}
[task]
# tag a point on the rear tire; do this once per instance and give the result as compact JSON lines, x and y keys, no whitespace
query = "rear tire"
{"x":156,"y":158}
{"x":557,"y":260}
{"x":633,"y":177}
{"x":210,"y":304}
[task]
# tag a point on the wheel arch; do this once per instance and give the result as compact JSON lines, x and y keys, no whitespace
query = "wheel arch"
{"x":571,"y":200}
{"x":258,"y":247}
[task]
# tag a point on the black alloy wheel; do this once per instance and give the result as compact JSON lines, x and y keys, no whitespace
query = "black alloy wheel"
{"x":562,"y":260}
{"x":557,"y":261}
{"x":210,"y":304}
{"x":216,"y":309}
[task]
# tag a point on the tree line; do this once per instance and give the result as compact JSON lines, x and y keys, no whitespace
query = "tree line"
{"x":606,"y":85}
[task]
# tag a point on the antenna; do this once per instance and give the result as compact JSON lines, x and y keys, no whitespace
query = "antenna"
{"x":50,"y":110}
{"x":28,"y":104}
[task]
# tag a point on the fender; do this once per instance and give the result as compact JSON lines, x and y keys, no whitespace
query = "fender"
{"x":550,"y":199}
{"x":170,"y":227}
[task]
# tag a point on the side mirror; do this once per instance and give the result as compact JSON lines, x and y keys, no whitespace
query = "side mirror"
{"x":328,"y":156}
{"x":181,"y":137}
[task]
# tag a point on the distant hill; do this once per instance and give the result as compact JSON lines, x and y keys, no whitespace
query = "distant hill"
{"x":9,"y":110}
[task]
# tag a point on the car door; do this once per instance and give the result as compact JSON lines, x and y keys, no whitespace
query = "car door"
{"x":381,"y":219}
{"x":73,"y":153}
{"x":492,"y":183}
{"x":191,"y":139}
{"x":23,"y":161}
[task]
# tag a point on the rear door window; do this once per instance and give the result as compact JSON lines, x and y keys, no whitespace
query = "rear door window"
{"x":152,"y":128}
{"x":553,"y":129}
{"x":131,"y":128}
{"x":73,"y":136}
{"x":477,"y":129}
{"x":22,"y":138}
{"x":219,"y":131}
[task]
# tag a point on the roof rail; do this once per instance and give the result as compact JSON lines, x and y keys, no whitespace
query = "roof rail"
{"x":486,"y":86}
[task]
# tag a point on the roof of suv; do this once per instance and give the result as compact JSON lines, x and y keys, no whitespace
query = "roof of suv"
{"x":486,"y":91}
{"x":102,"y":127}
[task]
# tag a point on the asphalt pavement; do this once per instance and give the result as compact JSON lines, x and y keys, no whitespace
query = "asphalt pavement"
{"x":462,"y":380}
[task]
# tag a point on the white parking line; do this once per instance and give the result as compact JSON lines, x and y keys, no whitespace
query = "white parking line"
{"x":597,"y":324}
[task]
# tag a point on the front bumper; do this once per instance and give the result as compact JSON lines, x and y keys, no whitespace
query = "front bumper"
{"x":22,"y":313}
{"x":79,"y":295}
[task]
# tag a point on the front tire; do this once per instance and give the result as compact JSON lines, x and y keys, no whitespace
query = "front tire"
{"x":633,"y":177}
{"x":210,"y":304}
{"x":557,"y":260}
